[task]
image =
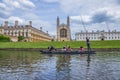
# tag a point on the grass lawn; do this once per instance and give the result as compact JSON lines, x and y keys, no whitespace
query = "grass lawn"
{"x":73,"y":44}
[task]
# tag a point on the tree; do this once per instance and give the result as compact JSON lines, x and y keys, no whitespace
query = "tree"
{"x":4,"y":38}
{"x":20,"y":38}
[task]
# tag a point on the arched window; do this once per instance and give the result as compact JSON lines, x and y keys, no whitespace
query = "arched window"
{"x":63,"y":33}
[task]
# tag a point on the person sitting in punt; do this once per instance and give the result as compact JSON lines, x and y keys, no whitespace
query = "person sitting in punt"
{"x":81,"y":49}
{"x":52,"y":48}
{"x":69,"y":48}
{"x":64,"y":49}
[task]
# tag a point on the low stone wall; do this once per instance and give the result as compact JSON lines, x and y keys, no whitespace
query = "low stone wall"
{"x":38,"y":49}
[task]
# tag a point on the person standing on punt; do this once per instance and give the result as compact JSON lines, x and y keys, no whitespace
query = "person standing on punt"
{"x":88,"y":43}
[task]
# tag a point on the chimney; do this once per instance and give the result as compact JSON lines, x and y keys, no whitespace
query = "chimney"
{"x":16,"y":23}
{"x":41,"y":28}
{"x":30,"y":23}
{"x":68,"y":21}
{"x":58,"y":21}
{"x":6,"y":24}
{"x":47,"y":32}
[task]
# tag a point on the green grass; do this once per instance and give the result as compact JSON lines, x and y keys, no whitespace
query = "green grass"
{"x":73,"y":44}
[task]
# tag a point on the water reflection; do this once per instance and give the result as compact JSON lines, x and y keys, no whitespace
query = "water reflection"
{"x":63,"y":67}
{"x":88,"y":67}
{"x":25,"y":65}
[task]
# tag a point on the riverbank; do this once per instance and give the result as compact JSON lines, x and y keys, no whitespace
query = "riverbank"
{"x":74,"y":44}
{"x":38,"y":49}
{"x":110,"y":45}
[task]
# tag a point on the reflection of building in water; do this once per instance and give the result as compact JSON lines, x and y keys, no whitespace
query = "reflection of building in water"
{"x":63,"y":67}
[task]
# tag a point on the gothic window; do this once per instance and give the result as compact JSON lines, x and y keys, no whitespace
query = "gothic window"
{"x":63,"y":33}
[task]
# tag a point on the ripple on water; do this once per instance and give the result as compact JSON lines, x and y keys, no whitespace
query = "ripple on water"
{"x":61,"y":67}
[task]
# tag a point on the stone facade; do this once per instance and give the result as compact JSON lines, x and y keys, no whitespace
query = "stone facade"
{"x":98,"y":35}
{"x":29,"y":33}
{"x":63,"y":30}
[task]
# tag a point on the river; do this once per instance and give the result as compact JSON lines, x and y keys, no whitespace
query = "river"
{"x":30,"y":65}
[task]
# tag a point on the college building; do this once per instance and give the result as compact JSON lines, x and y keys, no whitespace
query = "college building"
{"x":63,"y":30}
{"x":29,"y":33}
{"x":98,"y":35}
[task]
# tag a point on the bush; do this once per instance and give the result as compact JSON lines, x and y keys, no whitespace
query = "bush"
{"x":20,"y":38}
{"x":4,"y":38}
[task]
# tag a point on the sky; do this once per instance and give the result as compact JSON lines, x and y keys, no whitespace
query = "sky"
{"x":90,"y":14}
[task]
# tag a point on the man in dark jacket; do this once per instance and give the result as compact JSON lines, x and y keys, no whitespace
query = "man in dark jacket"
{"x":88,"y":43}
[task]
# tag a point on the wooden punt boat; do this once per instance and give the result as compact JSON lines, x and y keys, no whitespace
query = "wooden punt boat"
{"x":67,"y":52}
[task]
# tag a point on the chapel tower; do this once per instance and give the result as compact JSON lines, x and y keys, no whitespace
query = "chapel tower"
{"x":63,"y":30}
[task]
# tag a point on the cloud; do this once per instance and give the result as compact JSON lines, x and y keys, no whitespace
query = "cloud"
{"x":46,"y":26}
{"x":43,"y":13}
{"x":101,"y":17}
{"x":118,"y":1}
{"x":84,"y":6}
{"x":27,"y":3}
{"x":91,"y":11}
{"x":4,"y":11}
{"x":4,"y":14}
{"x":81,"y":18}
{"x":11,"y":4}
{"x":12,"y":19}
{"x":9,"y":7}
{"x":3,"y":6}
{"x":20,"y":4}
{"x":51,"y":1}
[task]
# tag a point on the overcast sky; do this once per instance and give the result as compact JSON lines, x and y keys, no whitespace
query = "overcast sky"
{"x":96,"y":14}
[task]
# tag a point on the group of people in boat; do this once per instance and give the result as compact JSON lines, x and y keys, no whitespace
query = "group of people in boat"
{"x":51,"y":48}
{"x":66,"y":48}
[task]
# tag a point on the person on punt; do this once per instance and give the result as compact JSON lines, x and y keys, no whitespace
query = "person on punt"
{"x":64,"y":49}
{"x":88,"y":43}
{"x":52,"y":48}
{"x":81,"y":49}
{"x":69,"y":48}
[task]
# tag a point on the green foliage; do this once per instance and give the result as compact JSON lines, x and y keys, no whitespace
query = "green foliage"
{"x":73,"y":44}
{"x":4,"y":38}
{"x":20,"y":38}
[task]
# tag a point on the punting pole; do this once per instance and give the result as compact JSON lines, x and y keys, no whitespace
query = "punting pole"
{"x":87,"y":38}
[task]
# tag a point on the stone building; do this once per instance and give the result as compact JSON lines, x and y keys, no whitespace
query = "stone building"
{"x":63,"y":30}
{"x":98,"y":35}
{"x":29,"y":33}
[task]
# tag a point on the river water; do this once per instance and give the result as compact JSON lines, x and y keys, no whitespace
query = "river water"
{"x":27,"y":65}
